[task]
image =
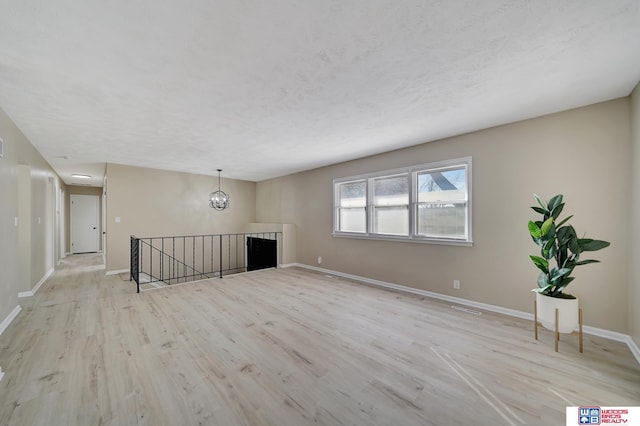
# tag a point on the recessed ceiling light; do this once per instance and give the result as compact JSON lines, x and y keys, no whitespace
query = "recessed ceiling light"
{"x":80,"y":176}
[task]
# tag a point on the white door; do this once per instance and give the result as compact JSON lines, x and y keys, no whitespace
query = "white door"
{"x":84,"y":223}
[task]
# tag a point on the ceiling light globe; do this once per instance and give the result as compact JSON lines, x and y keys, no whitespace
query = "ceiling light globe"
{"x":218,"y":200}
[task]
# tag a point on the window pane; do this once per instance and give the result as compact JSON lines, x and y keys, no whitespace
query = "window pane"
{"x":442,"y":220}
{"x":391,"y":205}
{"x":352,"y":213}
{"x":391,"y":220}
{"x":442,"y":203}
{"x":352,"y":219}
{"x":442,"y":185}
{"x":391,"y":191}
{"x":353,"y":194}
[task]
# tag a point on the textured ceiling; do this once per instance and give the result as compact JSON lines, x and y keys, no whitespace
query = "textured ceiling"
{"x":266,"y":88}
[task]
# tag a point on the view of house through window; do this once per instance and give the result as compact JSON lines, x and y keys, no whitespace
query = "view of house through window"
{"x":429,"y":202}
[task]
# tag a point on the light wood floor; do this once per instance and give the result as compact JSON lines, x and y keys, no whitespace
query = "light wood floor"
{"x":287,"y":347}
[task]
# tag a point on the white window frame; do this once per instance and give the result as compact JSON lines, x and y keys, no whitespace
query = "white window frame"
{"x":412,"y":173}
{"x":371,"y":205}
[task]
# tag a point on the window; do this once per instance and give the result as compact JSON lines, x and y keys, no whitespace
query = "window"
{"x":352,"y":207}
{"x":391,"y":205}
{"x":426,"y":203}
{"x":442,"y":203}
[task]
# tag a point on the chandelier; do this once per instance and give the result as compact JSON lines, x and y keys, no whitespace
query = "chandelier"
{"x":219,"y":199}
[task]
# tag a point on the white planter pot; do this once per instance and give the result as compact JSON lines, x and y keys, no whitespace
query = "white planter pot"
{"x":568,"y":316}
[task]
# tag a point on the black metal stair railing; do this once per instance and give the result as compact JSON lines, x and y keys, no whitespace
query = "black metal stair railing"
{"x":162,"y":261}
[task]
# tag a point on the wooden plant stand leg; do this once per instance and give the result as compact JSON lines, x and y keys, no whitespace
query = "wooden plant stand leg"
{"x":580,"y":321}
{"x":557,"y":332}
{"x":535,"y":318}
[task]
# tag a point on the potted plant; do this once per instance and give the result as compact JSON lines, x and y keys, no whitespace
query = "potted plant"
{"x":560,"y":250}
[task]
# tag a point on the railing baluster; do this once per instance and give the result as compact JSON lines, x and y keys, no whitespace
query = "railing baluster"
{"x":184,"y":257}
{"x":237,"y":265}
{"x":220,"y":237}
{"x":150,"y":259}
{"x":142,"y":258}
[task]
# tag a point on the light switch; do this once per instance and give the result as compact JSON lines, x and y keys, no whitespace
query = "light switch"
{"x":117,"y":219}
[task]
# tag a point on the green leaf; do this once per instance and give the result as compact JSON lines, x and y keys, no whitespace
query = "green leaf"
{"x":547,"y":248}
{"x":563,"y":221}
{"x":540,"y":263}
{"x":547,"y":226}
{"x":565,"y":296}
{"x":534,"y":230}
{"x":539,"y":210}
{"x":543,"y":290}
{"x":587,"y":244}
{"x":557,"y":210}
{"x":564,"y":235}
{"x":540,"y":202}
{"x":573,"y":243}
{"x":554,"y":202}
{"x":563,"y":284}
{"x":564,"y":272}
{"x":586,"y":262}
{"x":543,"y":280}
{"x":557,"y":275}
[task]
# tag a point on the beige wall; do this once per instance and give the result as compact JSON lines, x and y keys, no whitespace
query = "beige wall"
{"x":154,"y":203}
{"x":582,"y":153}
{"x":35,"y":234}
{"x":634,"y":235}
{"x":24,"y":232}
{"x":79,"y":190}
{"x":9,"y":259}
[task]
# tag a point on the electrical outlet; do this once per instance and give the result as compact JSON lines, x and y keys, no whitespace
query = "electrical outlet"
{"x":319,"y":260}
{"x":456,"y":284}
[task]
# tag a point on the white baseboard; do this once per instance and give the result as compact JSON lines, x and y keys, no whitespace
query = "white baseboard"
{"x":12,"y":315}
{"x":116,"y":272}
{"x":38,"y":285}
{"x":612,"y":335}
{"x":633,"y":347}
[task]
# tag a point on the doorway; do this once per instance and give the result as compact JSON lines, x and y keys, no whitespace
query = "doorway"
{"x":84,"y":218}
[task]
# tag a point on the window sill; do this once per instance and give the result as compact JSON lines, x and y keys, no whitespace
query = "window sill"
{"x":396,"y":238}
